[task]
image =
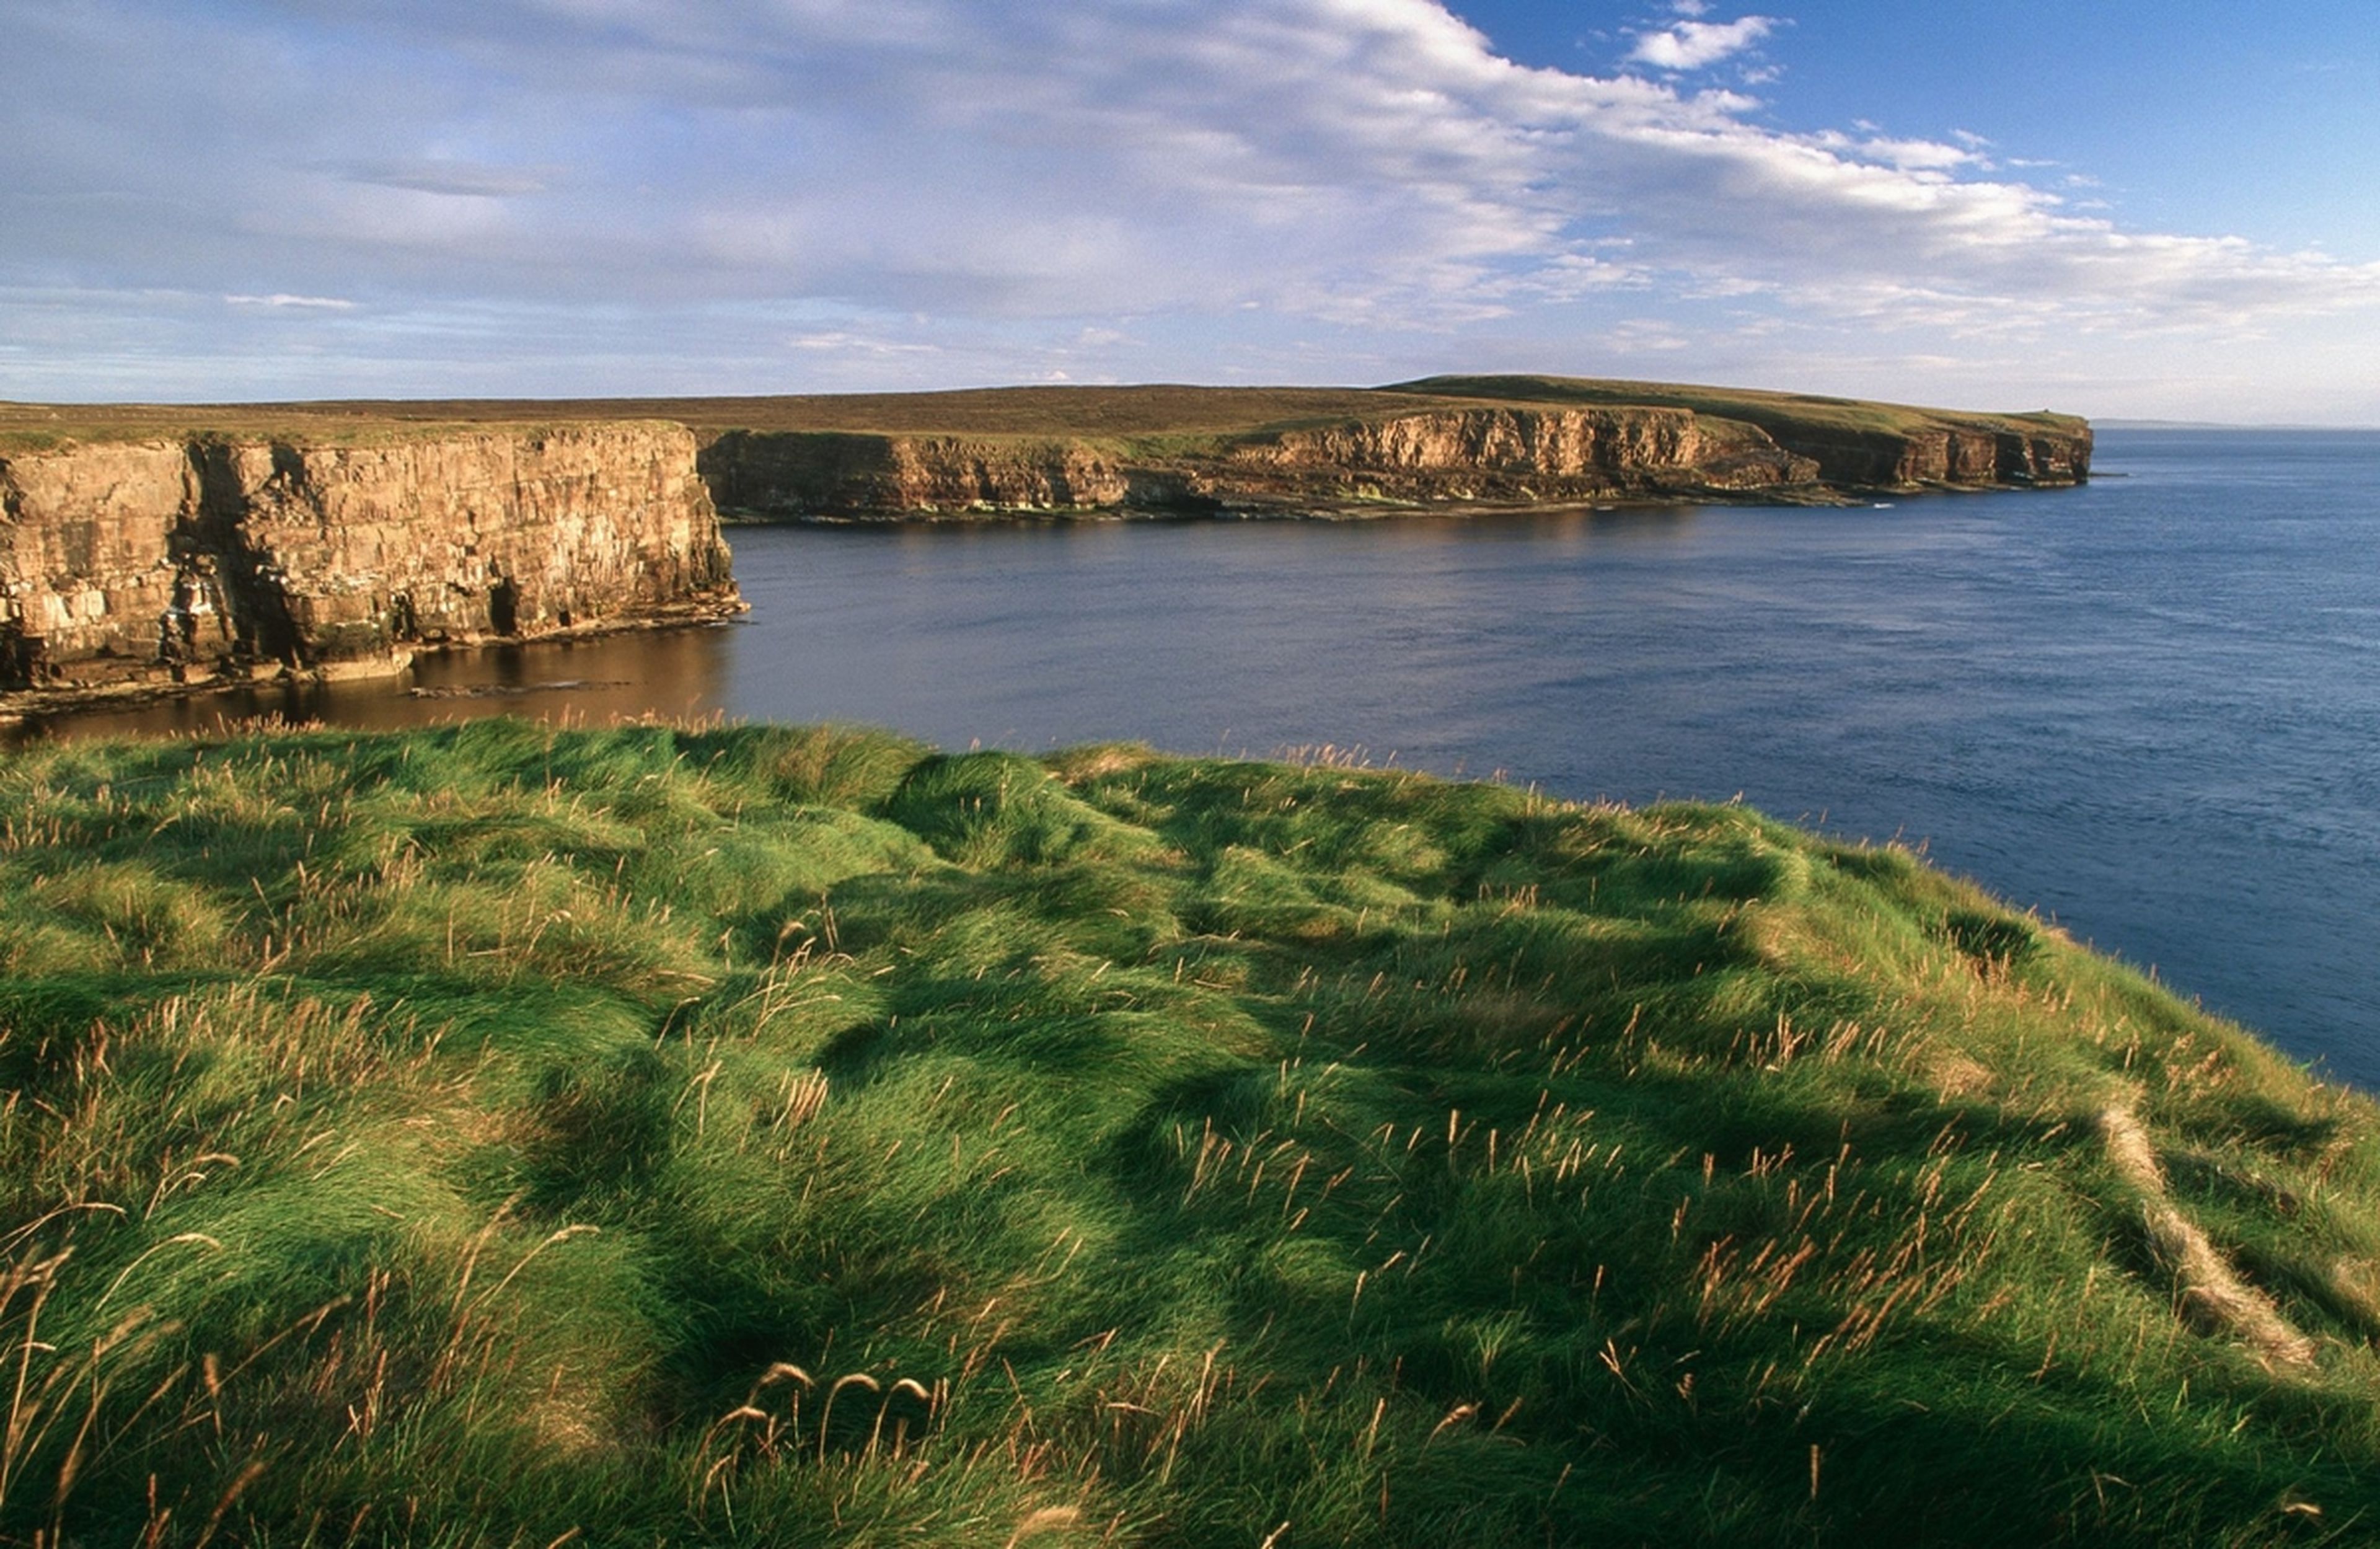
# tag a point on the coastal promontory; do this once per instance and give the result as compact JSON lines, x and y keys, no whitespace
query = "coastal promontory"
{"x":155,"y":548}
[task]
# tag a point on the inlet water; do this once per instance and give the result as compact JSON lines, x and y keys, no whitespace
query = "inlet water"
{"x":2149,"y":707}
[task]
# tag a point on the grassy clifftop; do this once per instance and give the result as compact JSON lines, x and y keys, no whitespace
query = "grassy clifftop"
{"x":1038,"y":412}
{"x":777,"y":1136}
{"x":1772,"y":412}
{"x":1161,"y":411}
{"x":1461,"y":442}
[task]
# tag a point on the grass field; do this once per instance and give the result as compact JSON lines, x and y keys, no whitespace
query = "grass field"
{"x":1098,"y":414}
{"x":1794,"y":414}
{"x":498,"y":1135}
{"x":1091,"y":413}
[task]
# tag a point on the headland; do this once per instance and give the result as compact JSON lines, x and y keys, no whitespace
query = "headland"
{"x":156,"y":548}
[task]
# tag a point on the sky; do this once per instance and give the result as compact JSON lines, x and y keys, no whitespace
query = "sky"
{"x":2163,"y":209}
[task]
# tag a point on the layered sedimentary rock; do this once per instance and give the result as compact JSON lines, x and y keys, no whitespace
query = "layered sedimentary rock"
{"x":1946,"y":457}
{"x":1852,"y":447}
{"x":1484,"y":454}
{"x":834,"y":471}
{"x":1525,"y":454}
{"x":183,"y":560}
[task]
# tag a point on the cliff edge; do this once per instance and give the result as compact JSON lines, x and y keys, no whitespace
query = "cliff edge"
{"x":182,"y":561}
{"x":1478,"y":441}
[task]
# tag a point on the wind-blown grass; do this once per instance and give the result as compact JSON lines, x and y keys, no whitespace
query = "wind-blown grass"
{"x":495,"y":1134}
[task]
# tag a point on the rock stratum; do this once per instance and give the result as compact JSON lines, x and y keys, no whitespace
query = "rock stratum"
{"x":1478,"y":456}
{"x":149,"y":548}
{"x":156,"y":563}
{"x":1470,"y":441}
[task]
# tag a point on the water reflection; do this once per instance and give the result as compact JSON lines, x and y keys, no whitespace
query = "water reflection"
{"x":677,"y":674}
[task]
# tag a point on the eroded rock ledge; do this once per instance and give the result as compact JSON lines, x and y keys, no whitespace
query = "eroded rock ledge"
{"x":152,"y":564}
{"x":1481,"y":454}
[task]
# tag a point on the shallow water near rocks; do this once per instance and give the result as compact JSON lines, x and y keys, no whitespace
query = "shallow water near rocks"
{"x":2149,"y":707}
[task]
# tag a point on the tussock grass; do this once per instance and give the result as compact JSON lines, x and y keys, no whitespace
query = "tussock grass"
{"x":493,"y":1134}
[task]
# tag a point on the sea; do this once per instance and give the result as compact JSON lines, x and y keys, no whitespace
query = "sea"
{"x":2147,"y":708}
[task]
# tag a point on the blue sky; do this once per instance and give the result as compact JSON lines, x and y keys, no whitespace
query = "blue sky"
{"x":2123,"y":209}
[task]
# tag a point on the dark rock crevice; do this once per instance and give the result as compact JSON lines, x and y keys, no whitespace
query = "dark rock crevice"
{"x":221,"y":572}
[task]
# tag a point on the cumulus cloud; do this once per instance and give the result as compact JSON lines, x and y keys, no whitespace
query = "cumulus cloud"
{"x":1365,"y":166}
{"x":310,"y":303}
{"x":841,"y":341}
{"x":1694,"y":45}
{"x":459,"y":178}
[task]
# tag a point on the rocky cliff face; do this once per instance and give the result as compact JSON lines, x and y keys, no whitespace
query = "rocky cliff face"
{"x":187,"y":560}
{"x":1493,"y":454}
{"x":1946,"y":456}
{"x":833,"y":473}
{"x":1551,"y":443}
{"x":1527,"y":453}
{"x":1850,"y":447}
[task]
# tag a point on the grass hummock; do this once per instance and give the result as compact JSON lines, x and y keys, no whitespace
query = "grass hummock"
{"x":502,"y":1135}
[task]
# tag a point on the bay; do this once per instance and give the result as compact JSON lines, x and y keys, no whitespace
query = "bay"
{"x":2149,"y":707}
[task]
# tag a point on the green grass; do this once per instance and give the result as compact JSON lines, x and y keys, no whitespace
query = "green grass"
{"x":1148,"y":421}
{"x":493,"y":1134}
{"x":32,"y":428}
{"x":1786,"y":414}
{"x":1092,"y":414}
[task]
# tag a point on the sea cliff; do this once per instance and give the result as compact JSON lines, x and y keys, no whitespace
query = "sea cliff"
{"x":175,"y":561}
{"x":147,"y":548}
{"x":835,"y":472}
{"x":1489,"y":440}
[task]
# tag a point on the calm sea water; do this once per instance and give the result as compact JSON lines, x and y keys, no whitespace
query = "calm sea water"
{"x":2149,"y":707}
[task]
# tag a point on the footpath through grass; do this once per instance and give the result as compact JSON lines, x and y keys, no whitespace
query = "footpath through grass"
{"x":493,"y":1134}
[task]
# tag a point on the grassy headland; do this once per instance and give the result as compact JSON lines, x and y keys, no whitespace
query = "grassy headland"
{"x":1028,"y":412}
{"x":1164,"y":429}
{"x":492,"y":1134}
{"x":1169,"y":412}
{"x":1778,"y":413}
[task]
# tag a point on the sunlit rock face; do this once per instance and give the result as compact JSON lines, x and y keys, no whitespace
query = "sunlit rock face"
{"x":841,"y":472}
{"x":1483,"y":454}
{"x":188,"y":560}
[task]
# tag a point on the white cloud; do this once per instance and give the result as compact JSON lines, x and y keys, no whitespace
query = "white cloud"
{"x":1694,"y":45}
{"x":1638,"y":335}
{"x":447,"y":175}
{"x":838,"y":341}
{"x":1259,"y":185}
{"x":308,"y":303}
